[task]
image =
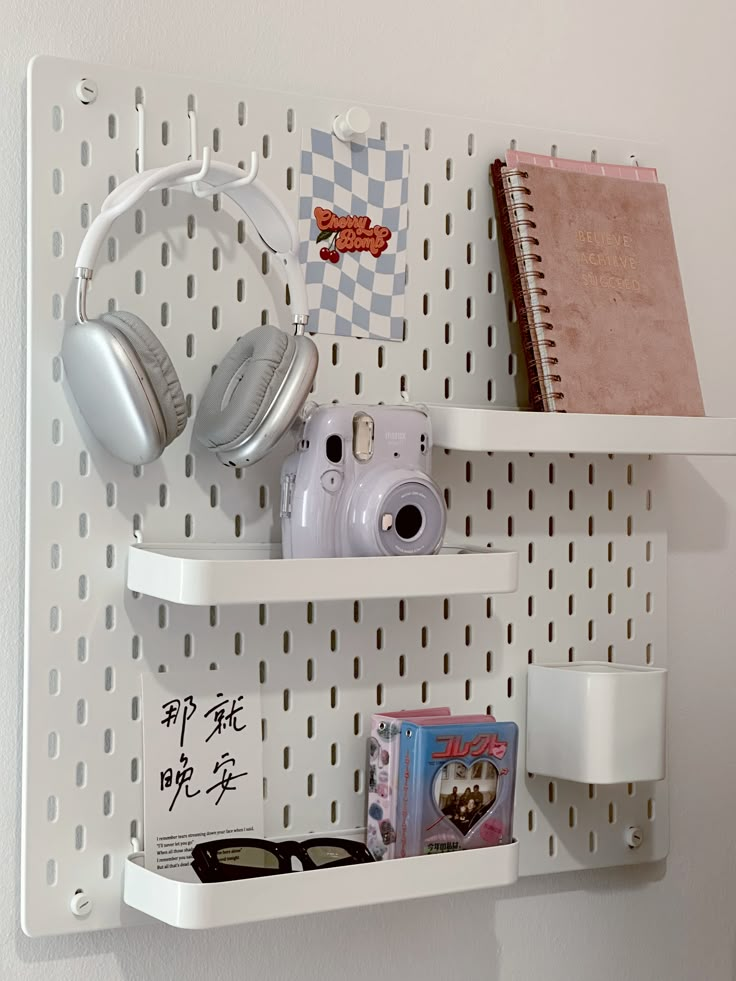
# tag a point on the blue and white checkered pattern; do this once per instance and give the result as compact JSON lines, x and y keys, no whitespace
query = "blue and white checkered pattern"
{"x":360,"y":296}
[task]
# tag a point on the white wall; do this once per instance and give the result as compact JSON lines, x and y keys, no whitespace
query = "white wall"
{"x":649,"y":68}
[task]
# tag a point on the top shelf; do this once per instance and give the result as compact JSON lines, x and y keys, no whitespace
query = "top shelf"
{"x":518,"y":431}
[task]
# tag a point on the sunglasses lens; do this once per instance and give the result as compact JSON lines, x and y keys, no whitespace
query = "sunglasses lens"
{"x":251,"y":858}
{"x":326,"y":854}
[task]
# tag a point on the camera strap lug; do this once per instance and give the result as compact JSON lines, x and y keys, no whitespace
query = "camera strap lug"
{"x":287,"y":495}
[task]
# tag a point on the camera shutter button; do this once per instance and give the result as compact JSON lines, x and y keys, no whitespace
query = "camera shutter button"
{"x":331,"y":481}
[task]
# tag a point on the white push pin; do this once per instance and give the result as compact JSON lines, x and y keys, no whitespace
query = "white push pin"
{"x":355,"y":122}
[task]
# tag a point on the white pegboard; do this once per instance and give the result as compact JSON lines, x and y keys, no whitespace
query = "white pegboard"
{"x":592,"y":549}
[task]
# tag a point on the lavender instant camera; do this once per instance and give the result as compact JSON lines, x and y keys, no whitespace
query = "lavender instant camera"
{"x":359,"y":484}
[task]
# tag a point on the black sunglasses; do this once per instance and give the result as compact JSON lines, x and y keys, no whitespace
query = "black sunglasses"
{"x":249,"y":858}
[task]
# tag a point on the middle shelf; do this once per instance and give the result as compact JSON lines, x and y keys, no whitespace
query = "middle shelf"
{"x":210,"y":575}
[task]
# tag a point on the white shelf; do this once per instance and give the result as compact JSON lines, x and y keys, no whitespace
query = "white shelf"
{"x":509,"y":431}
{"x":208,"y":575}
{"x":197,"y":906}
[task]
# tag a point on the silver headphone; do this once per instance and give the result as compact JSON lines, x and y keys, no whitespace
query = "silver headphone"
{"x":122,"y":379}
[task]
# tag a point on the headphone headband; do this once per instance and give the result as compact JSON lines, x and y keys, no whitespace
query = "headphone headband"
{"x":275,"y":228}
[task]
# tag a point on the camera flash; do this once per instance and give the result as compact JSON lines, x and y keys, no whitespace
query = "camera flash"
{"x":387,"y":522}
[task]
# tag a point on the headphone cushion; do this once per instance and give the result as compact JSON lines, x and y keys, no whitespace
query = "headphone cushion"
{"x":243,"y":387}
{"x":158,"y":367}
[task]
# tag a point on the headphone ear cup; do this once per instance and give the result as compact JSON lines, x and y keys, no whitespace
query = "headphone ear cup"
{"x":255,"y":394}
{"x":159,"y":369}
{"x":124,"y":385}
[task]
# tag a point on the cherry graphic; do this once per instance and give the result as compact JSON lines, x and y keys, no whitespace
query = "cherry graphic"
{"x":334,"y":256}
{"x":324,"y":253}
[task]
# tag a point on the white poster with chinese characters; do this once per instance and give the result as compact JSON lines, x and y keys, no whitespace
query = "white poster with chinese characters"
{"x":202,"y":763}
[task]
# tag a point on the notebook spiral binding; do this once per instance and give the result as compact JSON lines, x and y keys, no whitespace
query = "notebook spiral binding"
{"x":520,"y":242}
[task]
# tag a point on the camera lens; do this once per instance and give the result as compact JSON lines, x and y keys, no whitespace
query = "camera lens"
{"x":409,"y":521}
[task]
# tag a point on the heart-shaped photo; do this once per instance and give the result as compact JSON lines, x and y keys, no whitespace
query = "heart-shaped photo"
{"x":465,"y":793}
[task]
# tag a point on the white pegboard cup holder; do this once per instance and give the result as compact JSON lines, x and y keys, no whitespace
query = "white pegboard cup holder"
{"x":595,"y":722}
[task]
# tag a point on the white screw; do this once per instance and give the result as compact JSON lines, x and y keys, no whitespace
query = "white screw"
{"x":86,"y":91}
{"x":634,"y":837}
{"x":81,"y":905}
{"x":355,"y":122}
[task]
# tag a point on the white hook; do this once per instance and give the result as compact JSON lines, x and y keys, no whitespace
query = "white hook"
{"x":203,"y":170}
{"x":247,"y":178}
{"x":355,"y":122}
{"x":140,"y":160}
{"x":193,"y":152}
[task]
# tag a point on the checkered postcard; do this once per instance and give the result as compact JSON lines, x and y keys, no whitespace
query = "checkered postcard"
{"x":353,"y":218}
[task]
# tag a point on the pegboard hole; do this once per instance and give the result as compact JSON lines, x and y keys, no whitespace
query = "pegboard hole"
{"x":51,"y":872}
{"x":106,"y":866}
{"x":552,"y":846}
{"x":55,"y":619}
{"x":80,"y":774}
{"x":266,"y":146}
{"x":57,"y":119}
{"x":57,"y":245}
{"x":572,"y":817}
{"x":84,"y":153}
{"x":53,"y":745}
{"x":107,"y":803}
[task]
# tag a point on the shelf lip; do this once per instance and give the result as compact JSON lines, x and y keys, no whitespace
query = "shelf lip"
{"x":519,"y":431}
{"x":209,"y":575}
{"x":198,"y":906}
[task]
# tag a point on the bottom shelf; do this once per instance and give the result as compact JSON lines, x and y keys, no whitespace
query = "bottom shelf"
{"x":196,"y":906}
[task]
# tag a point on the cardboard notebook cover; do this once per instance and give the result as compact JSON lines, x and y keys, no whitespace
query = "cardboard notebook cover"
{"x":613,"y":303}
